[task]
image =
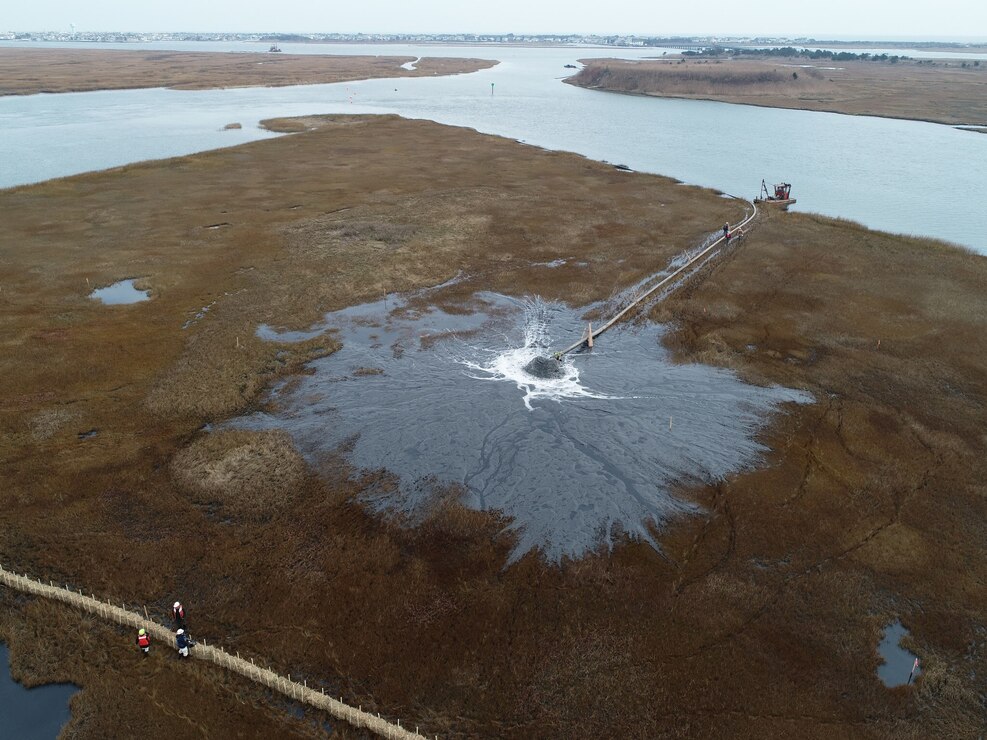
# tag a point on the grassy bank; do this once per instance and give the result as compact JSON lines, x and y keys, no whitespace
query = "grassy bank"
{"x":30,"y":71}
{"x":759,"y":618}
{"x":937,"y":92}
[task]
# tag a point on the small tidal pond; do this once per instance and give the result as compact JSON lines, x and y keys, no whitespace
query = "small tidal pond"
{"x":119,"y":293}
{"x":31,"y":714}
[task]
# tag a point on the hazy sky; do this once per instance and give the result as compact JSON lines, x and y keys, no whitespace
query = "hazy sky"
{"x":869,"y":19}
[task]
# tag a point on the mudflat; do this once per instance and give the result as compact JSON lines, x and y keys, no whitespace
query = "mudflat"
{"x":30,"y":71}
{"x":761,"y":615}
{"x":940,"y":93}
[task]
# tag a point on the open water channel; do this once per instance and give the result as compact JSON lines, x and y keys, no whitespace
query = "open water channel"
{"x":900,"y":176}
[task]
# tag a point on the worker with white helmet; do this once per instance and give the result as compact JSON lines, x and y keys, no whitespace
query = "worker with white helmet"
{"x":182,"y":642}
{"x":178,"y":614}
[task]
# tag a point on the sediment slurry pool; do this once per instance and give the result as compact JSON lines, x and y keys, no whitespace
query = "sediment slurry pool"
{"x":443,"y":399}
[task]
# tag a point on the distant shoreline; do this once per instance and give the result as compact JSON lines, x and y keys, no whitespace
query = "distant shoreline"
{"x":29,"y":71}
{"x":953,"y":95}
{"x":630,"y":41}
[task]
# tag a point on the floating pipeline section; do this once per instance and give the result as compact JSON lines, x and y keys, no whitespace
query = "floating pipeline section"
{"x":246,"y":668}
{"x":660,"y":284}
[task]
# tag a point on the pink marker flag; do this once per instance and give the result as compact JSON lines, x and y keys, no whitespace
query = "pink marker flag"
{"x":915,"y":667}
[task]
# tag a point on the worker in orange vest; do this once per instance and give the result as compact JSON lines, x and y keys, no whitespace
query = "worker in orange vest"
{"x":143,"y":642}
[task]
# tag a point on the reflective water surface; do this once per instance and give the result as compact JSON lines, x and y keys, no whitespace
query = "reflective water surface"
{"x":31,"y":714}
{"x":898,"y":662}
{"x":120,"y":293}
{"x":899,"y":176}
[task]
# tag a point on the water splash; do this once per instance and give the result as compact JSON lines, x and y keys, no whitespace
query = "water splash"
{"x":508,"y":364}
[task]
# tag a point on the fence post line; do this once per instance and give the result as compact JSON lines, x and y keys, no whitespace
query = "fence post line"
{"x":124,"y":616}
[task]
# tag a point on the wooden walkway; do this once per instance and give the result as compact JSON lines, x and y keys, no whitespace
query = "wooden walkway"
{"x":656,"y":287}
{"x":247,"y":668}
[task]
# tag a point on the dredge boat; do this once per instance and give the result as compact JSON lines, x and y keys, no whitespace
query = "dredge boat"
{"x":781,"y":198}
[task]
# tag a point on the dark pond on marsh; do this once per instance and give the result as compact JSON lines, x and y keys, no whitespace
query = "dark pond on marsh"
{"x":572,"y":459}
{"x":896,"y":669}
{"x":31,"y":714}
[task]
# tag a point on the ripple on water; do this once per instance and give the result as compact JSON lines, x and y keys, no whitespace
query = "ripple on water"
{"x":572,"y":460}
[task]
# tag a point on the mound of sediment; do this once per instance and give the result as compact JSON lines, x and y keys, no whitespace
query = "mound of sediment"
{"x":246,"y":471}
{"x":544,"y":367}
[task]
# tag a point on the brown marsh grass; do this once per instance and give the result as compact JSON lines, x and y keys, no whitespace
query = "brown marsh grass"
{"x":941,"y":93}
{"x":759,"y":618}
{"x":30,"y":71}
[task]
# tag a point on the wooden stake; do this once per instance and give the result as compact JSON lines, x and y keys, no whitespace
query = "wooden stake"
{"x":589,"y":335}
